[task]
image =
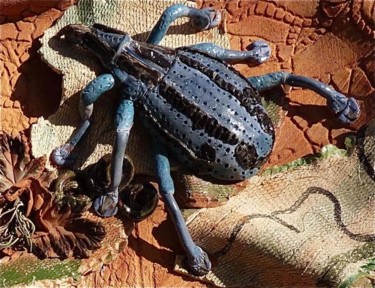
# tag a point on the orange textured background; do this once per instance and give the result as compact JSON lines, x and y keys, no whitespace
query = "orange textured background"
{"x":329,"y":40}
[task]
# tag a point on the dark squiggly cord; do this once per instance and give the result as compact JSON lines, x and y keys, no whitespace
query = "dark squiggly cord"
{"x":273,"y":216}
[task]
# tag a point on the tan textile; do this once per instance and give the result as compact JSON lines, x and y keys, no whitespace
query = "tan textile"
{"x":317,"y":221}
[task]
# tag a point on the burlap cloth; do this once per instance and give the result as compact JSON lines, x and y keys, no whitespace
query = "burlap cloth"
{"x":316,"y":221}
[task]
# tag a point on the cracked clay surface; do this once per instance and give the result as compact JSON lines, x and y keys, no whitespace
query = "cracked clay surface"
{"x":29,"y":89}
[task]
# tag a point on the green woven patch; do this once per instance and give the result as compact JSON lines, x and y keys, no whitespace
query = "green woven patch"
{"x":26,"y":270}
{"x":326,"y":152}
{"x":366,"y":271}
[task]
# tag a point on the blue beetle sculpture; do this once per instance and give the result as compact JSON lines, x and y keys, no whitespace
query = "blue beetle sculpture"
{"x":199,"y":110}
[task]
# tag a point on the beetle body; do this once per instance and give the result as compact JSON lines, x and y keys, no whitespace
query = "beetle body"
{"x":199,"y":110}
{"x":204,"y":111}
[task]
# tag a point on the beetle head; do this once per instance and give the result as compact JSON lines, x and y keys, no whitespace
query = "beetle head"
{"x":74,"y":33}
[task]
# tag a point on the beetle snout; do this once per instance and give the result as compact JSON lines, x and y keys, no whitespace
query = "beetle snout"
{"x":73,"y":33}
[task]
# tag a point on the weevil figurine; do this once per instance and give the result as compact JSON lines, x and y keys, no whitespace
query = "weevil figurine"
{"x":199,"y":109}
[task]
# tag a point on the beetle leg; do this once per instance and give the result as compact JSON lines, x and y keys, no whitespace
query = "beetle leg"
{"x":202,"y":18}
{"x":259,"y":51}
{"x":346,"y":109}
{"x":198,"y":262}
{"x":106,"y":205}
{"x":62,"y":154}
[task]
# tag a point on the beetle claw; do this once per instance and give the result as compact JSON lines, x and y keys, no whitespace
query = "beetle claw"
{"x":200,"y":265}
{"x":260,"y":49}
{"x":350,"y":113}
{"x":347,"y":109}
{"x":212,"y":20}
{"x":106,"y":205}
{"x":61,"y":155}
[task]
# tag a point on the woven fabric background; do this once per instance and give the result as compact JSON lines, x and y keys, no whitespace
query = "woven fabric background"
{"x":318,"y":219}
{"x":315,"y":223}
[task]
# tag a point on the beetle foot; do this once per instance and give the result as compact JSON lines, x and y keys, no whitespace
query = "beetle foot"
{"x":261,"y":51}
{"x":106,"y":205}
{"x":200,"y":264}
{"x":347,"y":109}
{"x":212,"y":19}
{"x":61,"y":155}
{"x":351,"y":111}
